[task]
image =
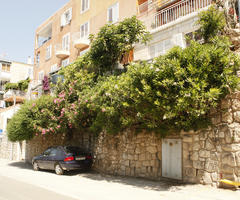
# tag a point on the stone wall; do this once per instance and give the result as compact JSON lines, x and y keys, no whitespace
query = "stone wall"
{"x":207,"y":155}
{"x":10,"y":150}
{"x":129,"y":154}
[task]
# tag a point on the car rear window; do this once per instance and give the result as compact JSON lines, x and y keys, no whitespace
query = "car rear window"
{"x":74,"y":150}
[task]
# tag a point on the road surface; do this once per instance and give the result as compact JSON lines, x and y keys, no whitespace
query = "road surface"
{"x":18,"y":181}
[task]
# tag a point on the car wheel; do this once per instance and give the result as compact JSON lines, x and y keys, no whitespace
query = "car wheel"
{"x":35,"y":167}
{"x":58,"y":169}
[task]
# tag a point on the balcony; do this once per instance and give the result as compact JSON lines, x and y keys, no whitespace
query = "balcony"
{"x":61,"y":52}
{"x":44,"y":35}
{"x":14,"y":96}
{"x":80,"y":42}
{"x":164,"y":12}
{"x":5,"y":75}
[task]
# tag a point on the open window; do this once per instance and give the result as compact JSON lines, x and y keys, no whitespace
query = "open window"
{"x":113,"y":13}
{"x":66,"y":17}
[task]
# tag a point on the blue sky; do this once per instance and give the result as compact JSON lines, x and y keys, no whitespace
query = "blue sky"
{"x":18,"y":22}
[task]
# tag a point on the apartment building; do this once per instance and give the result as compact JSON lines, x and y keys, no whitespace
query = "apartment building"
{"x":13,"y":72}
{"x":169,"y":21}
{"x":64,"y":36}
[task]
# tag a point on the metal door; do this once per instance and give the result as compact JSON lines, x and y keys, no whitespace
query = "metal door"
{"x":172,"y":158}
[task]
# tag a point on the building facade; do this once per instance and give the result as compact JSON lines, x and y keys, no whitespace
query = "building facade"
{"x":64,"y":36}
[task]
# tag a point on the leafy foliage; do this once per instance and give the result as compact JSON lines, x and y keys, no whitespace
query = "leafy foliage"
{"x":212,"y":23}
{"x":21,"y":85}
{"x":174,"y":92}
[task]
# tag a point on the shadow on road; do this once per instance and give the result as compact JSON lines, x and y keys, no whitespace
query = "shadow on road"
{"x":21,"y":164}
{"x":162,"y":185}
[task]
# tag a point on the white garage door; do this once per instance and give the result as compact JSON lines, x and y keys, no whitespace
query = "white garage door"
{"x":172,"y":158}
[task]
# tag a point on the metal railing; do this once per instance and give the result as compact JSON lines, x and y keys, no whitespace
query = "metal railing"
{"x":178,"y":10}
{"x":11,"y":93}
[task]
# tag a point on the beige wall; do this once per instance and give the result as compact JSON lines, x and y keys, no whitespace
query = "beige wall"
{"x":19,"y":71}
{"x":96,"y":15}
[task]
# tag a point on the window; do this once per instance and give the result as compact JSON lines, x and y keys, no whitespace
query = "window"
{"x":84,"y":30}
{"x":48,"y":52}
{"x":6,"y":67}
{"x":66,"y":17}
{"x":66,"y":42}
{"x":40,"y":75}
{"x":54,"y":68}
{"x":37,"y":59}
{"x":85,"y":5}
{"x":65,"y":62}
{"x":113,"y":13}
{"x":47,"y":152}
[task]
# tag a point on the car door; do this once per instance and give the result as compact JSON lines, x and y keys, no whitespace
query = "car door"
{"x":52,"y":158}
{"x":43,"y":159}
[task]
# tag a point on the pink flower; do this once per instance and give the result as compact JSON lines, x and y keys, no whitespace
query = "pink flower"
{"x":55,"y":101}
{"x":51,"y":129}
{"x":42,"y":110}
{"x":75,"y":113}
{"x":43,"y":131}
{"x":103,"y":109}
{"x":58,"y":126}
{"x":86,"y":101}
{"x":33,"y":104}
{"x":70,"y":89}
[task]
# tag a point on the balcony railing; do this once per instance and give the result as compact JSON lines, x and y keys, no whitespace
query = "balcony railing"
{"x":61,"y":52}
{"x":178,"y":10}
{"x":80,"y":42}
{"x":173,"y":12}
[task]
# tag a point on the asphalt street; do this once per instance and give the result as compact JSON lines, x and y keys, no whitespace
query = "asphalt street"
{"x":11,"y":189}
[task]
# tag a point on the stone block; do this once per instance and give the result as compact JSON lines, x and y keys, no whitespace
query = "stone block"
{"x":231,"y":147}
{"x":195,"y":156}
{"x":195,"y":138}
{"x":146,"y":163}
{"x":196,"y":146}
{"x":137,"y":150}
{"x":226,"y":103}
{"x":226,"y":169}
{"x":152,"y":149}
{"x":211,"y":166}
{"x":142,"y":157}
{"x":187,"y":163}
{"x":227,"y":117}
{"x":159,"y":155}
{"x":236,"y":104}
{"x":209,"y":145}
{"x":207,"y":178}
{"x":216,"y":119}
{"x":229,"y":159}
{"x":215,"y":177}
{"x":187,"y":139}
{"x":198,"y":164}
{"x":204,"y":154}
{"x":127,"y":163}
{"x":190,"y":172}
{"x":237,"y":116}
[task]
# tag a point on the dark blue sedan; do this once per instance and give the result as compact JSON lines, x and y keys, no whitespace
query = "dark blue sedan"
{"x":62,"y":158}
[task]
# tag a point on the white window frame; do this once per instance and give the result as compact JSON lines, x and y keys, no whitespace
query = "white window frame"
{"x":66,"y":17}
{"x":66,"y":42}
{"x":85,"y":5}
{"x":54,"y":68}
{"x":85,"y":33}
{"x":48,"y":52}
{"x":37,"y":59}
{"x":41,"y":75}
{"x":115,"y":13}
{"x":65,"y":62}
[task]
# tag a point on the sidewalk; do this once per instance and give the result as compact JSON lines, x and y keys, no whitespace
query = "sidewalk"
{"x":91,"y":186}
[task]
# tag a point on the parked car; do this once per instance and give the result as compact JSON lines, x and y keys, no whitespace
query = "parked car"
{"x":62,"y":158}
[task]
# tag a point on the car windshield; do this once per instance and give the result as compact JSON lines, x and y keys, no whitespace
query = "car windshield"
{"x":74,"y":150}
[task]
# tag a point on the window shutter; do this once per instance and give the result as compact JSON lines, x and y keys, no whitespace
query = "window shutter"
{"x":87,"y":4}
{"x":110,"y":15}
{"x":82,"y":31}
{"x":70,"y":15}
{"x":83,"y":5}
{"x":63,"y":20}
{"x":116,"y":12}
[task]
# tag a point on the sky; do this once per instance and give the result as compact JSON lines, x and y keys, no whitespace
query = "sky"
{"x":18,"y":21}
